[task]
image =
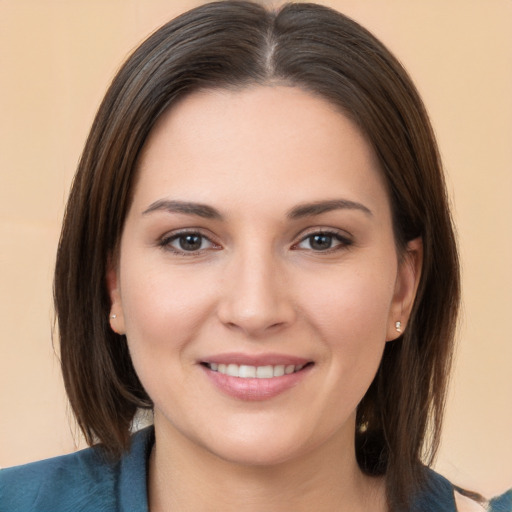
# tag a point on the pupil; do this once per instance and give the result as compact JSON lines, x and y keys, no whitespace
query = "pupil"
{"x":190,"y":242}
{"x":321,"y":242}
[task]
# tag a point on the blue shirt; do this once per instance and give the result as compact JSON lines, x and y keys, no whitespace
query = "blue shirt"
{"x":86,"y":481}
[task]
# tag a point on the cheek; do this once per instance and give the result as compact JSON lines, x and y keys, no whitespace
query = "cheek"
{"x":351,"y":305}
{"x":163,"y":308}
{"x":164,"y":312}
{"x":350,"y":319}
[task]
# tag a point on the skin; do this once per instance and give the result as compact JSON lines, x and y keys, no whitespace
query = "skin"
{"x":258,"y":284}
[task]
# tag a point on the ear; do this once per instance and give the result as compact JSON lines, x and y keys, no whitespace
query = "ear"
{"x":406,"y":285}
{"x":116,"y":317}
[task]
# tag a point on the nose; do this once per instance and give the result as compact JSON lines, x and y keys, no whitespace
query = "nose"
{"x":255,"y":299}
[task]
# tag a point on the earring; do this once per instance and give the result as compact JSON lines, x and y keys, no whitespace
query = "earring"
{"x":398,"y":326}
{"x":113,"y":317}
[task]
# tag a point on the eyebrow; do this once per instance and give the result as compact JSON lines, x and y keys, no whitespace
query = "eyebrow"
{"x":297,"y":212}
{"x":186,"y":207}
{"x":319,"y":207}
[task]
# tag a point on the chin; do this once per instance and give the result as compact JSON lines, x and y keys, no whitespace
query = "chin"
{"x":268,"y":445}
{"x":261,"y":454}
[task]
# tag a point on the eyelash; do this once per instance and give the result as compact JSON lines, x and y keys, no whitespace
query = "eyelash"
{"x":344,"y":241}
{"x":166,"y":241}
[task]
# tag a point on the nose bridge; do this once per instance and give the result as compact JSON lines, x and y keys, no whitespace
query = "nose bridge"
{"x":255,"y":299}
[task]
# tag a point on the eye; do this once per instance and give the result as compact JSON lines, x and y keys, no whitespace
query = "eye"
{"x":323,"y":241}
{"x":187,"y":242}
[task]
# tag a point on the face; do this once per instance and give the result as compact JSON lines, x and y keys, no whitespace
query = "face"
{"x":258,"y":280}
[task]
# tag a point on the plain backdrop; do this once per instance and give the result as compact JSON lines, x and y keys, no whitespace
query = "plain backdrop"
{"x":56,"y":60}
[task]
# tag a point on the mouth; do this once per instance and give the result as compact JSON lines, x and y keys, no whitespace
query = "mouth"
{"x":266,"y":378}
{"x":244,"y":371}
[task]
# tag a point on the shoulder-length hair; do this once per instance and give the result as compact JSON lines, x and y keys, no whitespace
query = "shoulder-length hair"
{"x":233,"y":44}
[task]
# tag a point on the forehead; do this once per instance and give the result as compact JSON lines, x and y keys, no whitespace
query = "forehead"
{"x":277,"y":143}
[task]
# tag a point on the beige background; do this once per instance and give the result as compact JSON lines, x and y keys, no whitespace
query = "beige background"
{"x":56,"y":59}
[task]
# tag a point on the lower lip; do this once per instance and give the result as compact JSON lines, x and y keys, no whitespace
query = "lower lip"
{"x":255,"y":389}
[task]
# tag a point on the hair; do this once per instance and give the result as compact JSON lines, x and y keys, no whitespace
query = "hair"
{"x":236,"y":44}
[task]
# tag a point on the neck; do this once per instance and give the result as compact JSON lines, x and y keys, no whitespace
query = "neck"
{"x":187,"y":477}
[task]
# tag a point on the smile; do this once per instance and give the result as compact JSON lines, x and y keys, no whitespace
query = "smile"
{"x":261,"y":380}
{"x":254,"y":372}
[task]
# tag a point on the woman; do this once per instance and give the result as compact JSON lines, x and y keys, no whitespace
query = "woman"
{"x":252,"y":249}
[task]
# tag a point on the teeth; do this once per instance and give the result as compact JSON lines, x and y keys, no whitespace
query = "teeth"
{"x":232,"y":370}
{"x":250,"y":372}
{"x":279,"y":370}
{"x":264,"y":372}
{"x":246,"y":371}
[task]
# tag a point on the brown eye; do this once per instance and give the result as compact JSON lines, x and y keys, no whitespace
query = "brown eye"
{"x":323,"y":241}
{"x":190,"y":242}
{"x":320,"y":242}
{"x":187,"y":242}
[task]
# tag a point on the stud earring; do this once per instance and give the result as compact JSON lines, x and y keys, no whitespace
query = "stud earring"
{"x":113,"y":317}
{"x":398,"y":326}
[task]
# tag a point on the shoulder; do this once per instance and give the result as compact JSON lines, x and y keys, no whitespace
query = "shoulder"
{"x":61,"y":483}
{"x":437,"y":493}
{"x":83,"y":481}
{"x":502,"y":503}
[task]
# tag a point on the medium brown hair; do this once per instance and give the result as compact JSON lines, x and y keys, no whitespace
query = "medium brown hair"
{"x":236,"y":44}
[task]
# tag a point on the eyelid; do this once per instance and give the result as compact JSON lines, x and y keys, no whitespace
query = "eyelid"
{"x":164,"y":241}
{"x":324,"y":230}
{"x":343,"y":237}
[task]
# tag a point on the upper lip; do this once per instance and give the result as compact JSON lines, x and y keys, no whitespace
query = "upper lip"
{"x":269,"y":359}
